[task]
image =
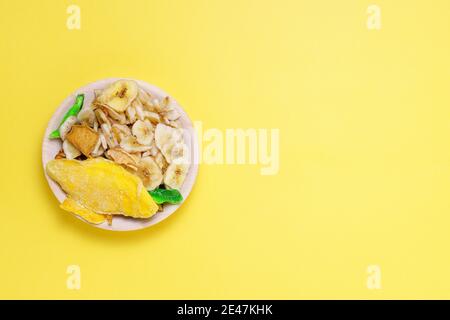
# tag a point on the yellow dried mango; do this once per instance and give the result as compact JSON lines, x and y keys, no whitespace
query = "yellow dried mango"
{"x":102,"y":187}
{"x":90,"y":216}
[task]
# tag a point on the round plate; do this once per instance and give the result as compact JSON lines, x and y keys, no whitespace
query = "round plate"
{"x":120,"y":223}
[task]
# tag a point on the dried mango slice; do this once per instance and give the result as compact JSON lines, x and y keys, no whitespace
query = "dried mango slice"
{"x":90,"y":216}
{"x":103,"y":187}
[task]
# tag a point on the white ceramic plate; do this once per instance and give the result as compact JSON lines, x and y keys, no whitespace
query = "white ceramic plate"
{"x":51,"y":147}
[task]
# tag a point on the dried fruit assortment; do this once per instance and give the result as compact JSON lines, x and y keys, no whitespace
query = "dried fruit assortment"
{"x":132,"y":128}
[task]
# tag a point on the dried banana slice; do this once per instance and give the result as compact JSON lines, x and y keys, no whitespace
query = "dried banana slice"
{"x":122,"y":157}
{"x":166,"y":138}
{"x":143,"y":131}
{"x":119,"y":95}
{"x":150,"y":173}
{"x":130,"y":144}
{"x":176,"y":173}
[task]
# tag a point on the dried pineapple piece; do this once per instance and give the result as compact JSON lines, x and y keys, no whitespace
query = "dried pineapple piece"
{"x":83,"y":138}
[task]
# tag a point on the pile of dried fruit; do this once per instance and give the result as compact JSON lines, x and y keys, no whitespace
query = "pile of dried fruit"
{"x":131,"y":127}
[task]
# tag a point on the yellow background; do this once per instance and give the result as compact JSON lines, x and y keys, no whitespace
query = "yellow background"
{"x":364,"y":119}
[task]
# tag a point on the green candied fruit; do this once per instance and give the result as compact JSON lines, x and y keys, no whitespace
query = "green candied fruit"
{"x":73,"y":111}
{"x":161,"y":196}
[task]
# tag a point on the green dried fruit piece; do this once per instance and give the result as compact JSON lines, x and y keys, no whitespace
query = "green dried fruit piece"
{"x":172,"y":196}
